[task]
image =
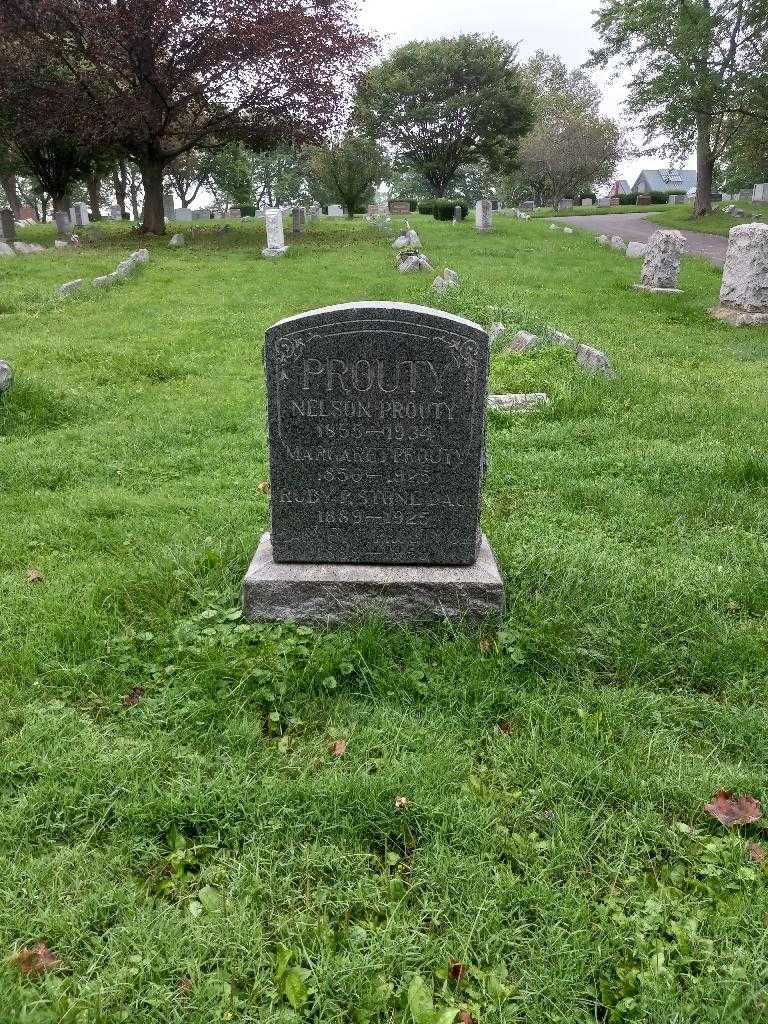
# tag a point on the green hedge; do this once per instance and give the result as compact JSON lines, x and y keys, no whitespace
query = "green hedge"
{"x":656,"y":197}
{"x":426,"y":206}
{"x":443,"y":208}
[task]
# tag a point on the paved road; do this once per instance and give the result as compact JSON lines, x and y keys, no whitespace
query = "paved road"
{"x":634,"y":227}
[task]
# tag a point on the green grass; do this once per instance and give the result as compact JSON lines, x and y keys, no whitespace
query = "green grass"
{"x":595,"y":211}
{"x":715,"y":223}
{"x":201,"y":856}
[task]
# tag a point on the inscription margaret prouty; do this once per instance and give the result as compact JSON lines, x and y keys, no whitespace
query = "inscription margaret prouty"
{"x":376,"y":433}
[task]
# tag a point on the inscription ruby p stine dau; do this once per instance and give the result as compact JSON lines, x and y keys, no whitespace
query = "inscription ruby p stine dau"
{"x":376,"y":435}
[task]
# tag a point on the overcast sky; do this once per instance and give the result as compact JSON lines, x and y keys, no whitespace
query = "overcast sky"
{"x":558,"y":26}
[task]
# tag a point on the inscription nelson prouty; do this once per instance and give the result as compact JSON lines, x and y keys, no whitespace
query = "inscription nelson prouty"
{"x":376,"y":433}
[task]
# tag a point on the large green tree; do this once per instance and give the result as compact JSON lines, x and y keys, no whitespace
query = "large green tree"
{"x":346,"y":171}
{"x":695,"y":66}
{"x":445,"y":103}
{"x":571,"y":148}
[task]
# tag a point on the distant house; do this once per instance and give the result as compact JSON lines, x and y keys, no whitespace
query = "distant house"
{"x":665,"y":181}
{"x":619,"y":188}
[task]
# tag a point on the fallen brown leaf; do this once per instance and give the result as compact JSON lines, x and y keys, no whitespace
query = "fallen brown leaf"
{"x":132,"y":698}
{"x":185,"y":985}
{"x":263,"y":487}
{"x":36,"y":959}
{"x":339,"y":748}
{"x":731,"y":810}
{"x":456,"y":970}
{"x":34,"y":576}
{"x":506,"y":727}
{"x":486,"y":645}
{"x":465,"y":1017}
{"x":733,"y":607}
{"x":757,"y":853}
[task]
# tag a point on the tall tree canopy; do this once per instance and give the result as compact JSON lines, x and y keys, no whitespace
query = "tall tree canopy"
{"x":346,"y":171}
{"x":163,"y":77}
{"x":445,"y":103}
{"x":696,"y":64}
{"x":571,"y":147}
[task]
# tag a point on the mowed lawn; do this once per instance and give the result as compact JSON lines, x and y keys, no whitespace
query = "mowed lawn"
{"x":523,"y":803}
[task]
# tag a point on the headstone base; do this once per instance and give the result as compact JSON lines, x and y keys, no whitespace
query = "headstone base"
{"x":657,"y":291}
{"x":739,"y":317}
{"x":271,"y":254}
{"x":325,"y":594}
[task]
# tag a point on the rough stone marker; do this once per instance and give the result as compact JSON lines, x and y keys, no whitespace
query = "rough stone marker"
{"x":377,"y":435}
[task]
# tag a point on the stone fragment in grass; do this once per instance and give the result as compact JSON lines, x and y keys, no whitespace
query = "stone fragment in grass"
{"x":59,"y":243}
{"x":69,"y":287}
{"x":177,"y":241}
{"x":6,"y":377}
{"x":594,"y":361}
{"x":523,"y":402}
{"x":106,"y":280}
{"x":604,"y":240}
{"x":617,"y":242}
{"x":561,"y":338}
{"x":6,"y":250}
{"x":523,"y":342}
{"x":413,"y":262}
{"x":635,"y":249}
{"x":495,"y":331}
{"x":448,"y":279}
{"x":567,"y":231}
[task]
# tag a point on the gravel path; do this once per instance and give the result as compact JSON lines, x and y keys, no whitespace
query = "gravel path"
{"x":634,"y":227}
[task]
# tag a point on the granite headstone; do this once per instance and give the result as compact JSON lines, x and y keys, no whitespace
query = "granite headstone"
{"x":377,"y":430}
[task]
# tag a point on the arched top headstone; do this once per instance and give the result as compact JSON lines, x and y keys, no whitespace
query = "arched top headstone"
{"x":377,"y":431}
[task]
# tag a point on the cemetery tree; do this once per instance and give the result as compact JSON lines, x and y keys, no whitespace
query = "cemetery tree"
{"x":189,"y":173}
{"x":346,"y":172}
{"x":695,"y":65}
{"x":571,"y":147}
{"x":445,"y":103}
{"x":163,"y":77}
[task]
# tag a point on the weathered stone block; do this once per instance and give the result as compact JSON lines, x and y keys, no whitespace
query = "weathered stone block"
{"x":523,"y":402}
{"x":744,"y":289}
{"x":661,"y":267}
{"x":6,"y":377}
{"x":333,"y":593}
{"x":594,"y":361}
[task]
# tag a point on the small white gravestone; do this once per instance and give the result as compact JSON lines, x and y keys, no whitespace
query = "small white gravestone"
{"x":81,"y":214}
{"x":760,"y":193}
{"x":177,"y":241}
{"x":586,"y":202}
{"x":483,"y":220}
{"x":334,"y":210}
{"x":69,"y":287}
{"x":182,"y":214}
{"x":744,"y":289}
{"x":661,"y":267}
{"x":275,"y":235}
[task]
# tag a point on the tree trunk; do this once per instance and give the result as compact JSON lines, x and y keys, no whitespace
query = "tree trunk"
{"x":93,"y":183}
{"x":60,"y":203}
{"x":705,"y":167}
{"x":8,"y":181}
{"x":119,"y":176}
{"x":154,"y":213}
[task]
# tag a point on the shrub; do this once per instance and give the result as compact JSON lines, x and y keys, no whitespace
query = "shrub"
{"x":630,"y":199}
{"x":247,"y":211}
{"x":443,"y":208}
{"x":426,"y":206}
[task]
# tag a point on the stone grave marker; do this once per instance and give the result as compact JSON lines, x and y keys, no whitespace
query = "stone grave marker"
{"x":661,"y":267}
{"x":483,"y":221}
{"x":376,"y":447}
{"x":298,"y":220}
{"x":7,"y":225}
{"x":81,"y":217}
{"x":457,"y":215}
{"x":63,"y":223}
{"x":399,"y":207}
{"x":275,"y":235}
{"x":182,"y":214}
{"x":334,"y":210}
{"x":744,"y":289}
{"x":760,"y":193}
{"x":168,"y":205}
